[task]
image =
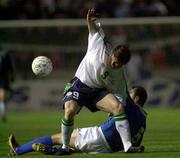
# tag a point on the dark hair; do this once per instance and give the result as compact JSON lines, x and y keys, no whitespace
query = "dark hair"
{"x":122,"y":53}
{"x":141,"y":93}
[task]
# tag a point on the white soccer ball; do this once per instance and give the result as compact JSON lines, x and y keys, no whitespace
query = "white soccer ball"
{"x":42,"y":66}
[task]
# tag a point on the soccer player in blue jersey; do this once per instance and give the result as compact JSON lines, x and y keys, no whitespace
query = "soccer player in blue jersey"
{"x":99,"y":139}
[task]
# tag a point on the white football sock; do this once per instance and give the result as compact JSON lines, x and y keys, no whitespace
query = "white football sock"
{"x":66,"y":130}
{"x":122,"y":126}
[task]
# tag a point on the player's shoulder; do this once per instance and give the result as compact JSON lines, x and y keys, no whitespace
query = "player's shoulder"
{"x":131,"y":107}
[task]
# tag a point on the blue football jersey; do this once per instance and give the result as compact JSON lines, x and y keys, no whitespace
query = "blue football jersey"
{"x":137,"y":121}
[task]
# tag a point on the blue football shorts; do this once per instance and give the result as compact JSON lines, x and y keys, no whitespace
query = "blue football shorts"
{"x":83,"y":95}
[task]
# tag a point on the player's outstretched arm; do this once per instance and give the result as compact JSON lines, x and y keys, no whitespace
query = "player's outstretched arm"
{"x":92,"y":15}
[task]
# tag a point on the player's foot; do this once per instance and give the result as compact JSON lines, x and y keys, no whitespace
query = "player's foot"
{"x":39,"y":147}
{"x":62,"y":152}
{"x":13,"y":145}
{"x":134,"y":149}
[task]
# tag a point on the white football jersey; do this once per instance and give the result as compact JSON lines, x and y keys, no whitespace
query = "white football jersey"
{"x":93,"y":67}
{"x":116,"y":82}
{"x":93,"y":70}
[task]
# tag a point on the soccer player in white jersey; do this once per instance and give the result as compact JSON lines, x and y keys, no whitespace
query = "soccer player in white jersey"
{"x":89,"y":86}
{"x":98,"y":139}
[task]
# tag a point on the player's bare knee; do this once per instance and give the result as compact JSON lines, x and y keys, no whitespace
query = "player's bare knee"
{"x":56,"y":139}
{"x":70,"y":109}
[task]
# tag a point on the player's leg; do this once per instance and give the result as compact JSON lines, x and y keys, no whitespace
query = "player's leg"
{"x":56,"y":140}
{"x":16,"y":149}
{"x":70,"y":109}
{"x":48,"y":150}
{"x":89,"y":140}
{"x":110,"y":104}
{"x":2,"y":104}
{"x":42,"y":145}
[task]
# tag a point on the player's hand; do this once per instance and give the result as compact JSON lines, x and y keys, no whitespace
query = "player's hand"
{"x":92,"y":15}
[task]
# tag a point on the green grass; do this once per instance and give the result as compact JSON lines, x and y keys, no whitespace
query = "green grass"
{"x":161,"y":140}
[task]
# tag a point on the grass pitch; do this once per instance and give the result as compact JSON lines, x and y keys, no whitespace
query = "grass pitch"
{"x":161,"y":140}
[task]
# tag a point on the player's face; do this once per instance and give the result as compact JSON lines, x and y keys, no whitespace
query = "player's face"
{"x":133,"y":96}
{"x":114,"y":62}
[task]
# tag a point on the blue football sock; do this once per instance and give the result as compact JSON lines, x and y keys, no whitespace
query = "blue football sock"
{"x":25,"y":148}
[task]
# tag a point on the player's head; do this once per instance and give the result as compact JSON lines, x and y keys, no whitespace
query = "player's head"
{"x":120,"y":56}
{"x":139,"y":95}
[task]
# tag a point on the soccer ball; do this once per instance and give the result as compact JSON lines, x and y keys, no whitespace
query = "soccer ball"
{"x":42,"y":66}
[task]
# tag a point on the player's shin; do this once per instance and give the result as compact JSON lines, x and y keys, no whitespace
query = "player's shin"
{"x":66,"y":130}
{"x":25,"y":148}
{"x":122,"y":126}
